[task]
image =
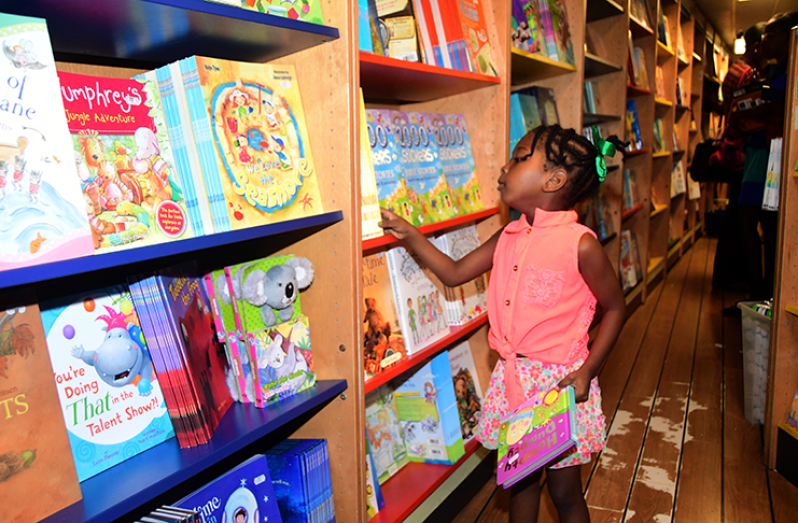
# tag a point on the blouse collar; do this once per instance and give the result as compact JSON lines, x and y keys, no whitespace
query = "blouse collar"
{"x":543,"y":219}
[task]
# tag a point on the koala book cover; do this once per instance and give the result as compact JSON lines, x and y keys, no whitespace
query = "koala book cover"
{"x":110,"y":396}
{"x":383,"y":343}
{"x":133,"y":195}
{"x":539,"y":430}
{"x":35,"y":455}
{"x":252,"y":139}
{"x":388,"y":172}
{"x":457,"y":161}
{"x":42,"y":217}
{"x":384,"y":433}
{"x":467,"y":389}
{"x":242,"y":495}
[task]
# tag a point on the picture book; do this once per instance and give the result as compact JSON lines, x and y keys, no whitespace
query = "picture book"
{"x":300,"y":471}
{"x":693,"y":188}
{"x":384,"y":433}
{"x":42,"y":212}
{"x":659,"y":141}
{"x":633,"y":127}
{"x":630,"y":197}
{"x":245,"y":494}
{"x":429,"y":38}
{"x":467,"y":301}
{"x":369,"y":204}
{"x":604,"y":213}
{"x":427,"y":190}
{"x":419,"y":301}
{"x":385,"y":158}
{"x":133,"y":193}
{"x":36,"y":455}
{"x":562,"y":31}
{"x":549,"y":34}
{"x":636,"y":263}
{"x":639,"y":10}
{"x":525,"y":29}
{"x":475,"y":30}
{"x":678,"y":181}
{"x":629,"y":275}
{"x":457,"y":162}
{"x":374,"y":499}
{"x":539,"y":430}
{"x":517,"y":123}
{"x":111,"y":398}
{"x":467,"y":389}
{"x":427,"y":408}
{"x":383,"y":343}
{"x":524,"y":115}
{"x":640,"y":70}
{"x":252,"y":140}
{"x":455,"y":36}
{"x":547,"y":105}
{"x":302,"y":10}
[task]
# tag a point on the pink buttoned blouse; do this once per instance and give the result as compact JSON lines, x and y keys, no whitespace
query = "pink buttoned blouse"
{"x":539,"y":306}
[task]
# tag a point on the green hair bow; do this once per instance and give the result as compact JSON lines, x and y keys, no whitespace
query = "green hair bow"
{"x":605,"y":149}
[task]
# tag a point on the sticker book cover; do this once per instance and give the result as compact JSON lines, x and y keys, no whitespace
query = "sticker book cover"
{"x":539,"y":430}
{"x":110,"y":396}
{"x":258,"y":147}
{"x":467,"y":389}
{"x":457,"y":162}
{"x":427,"y":408}
{"x":133,"y":194}
{"x":245,"y":494}
{"x":383,"y":343}
{"x":384,"y":433}
{"x":385,"y":157}
{"x":35,"y":455}
{"x":42,"y":212}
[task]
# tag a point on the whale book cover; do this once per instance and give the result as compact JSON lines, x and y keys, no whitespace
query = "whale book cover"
{"x":111,"y":398}
{"x":42,"y":213}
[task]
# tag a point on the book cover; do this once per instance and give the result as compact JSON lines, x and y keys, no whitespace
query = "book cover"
{"x":659,"y":142}
{"x":547,"y":105}
{"x":384,"y":433}
{"x":383,"y":343}
{"x":539,"y":430}
{"x":427,"y":408}
{"x":258,"y":147}
{"x":385,"y":158}
{"x":633,"y":126}
{"x":562,"y":31}
{"x":369,"y":202}
{"x":36,"y":455}
{"x":604,"y":212}
{"x":455,"y":37}
{"x":304,"y":10}
{"x":628,"y":273}
{"x":457,"y":160}
{"x":530,"y":109}
{"x":533,"y":18}
{"x":42,"y":211}
{"x":235,"y":279}
{"x":630,"y":197}
{"x":641,"y":80}
{"x":419,"y":302}
{"x":517,"y":123}
{"x":110,"y":396}
{"x":374,"y":499}
{"x":300,"y":472}
{"x":467,"y":389}
{"x":635,"y":254}
{"x":245,"y":494}
{"x":134,"y":196}
{"x":284,"y":359}
{"x":470,"y":299}
{"x":475,"y":30}
{"x":678,"y":182}
{"x":525,"y":29}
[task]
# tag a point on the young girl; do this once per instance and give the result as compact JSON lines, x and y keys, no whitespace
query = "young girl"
{"x":548,"y":271}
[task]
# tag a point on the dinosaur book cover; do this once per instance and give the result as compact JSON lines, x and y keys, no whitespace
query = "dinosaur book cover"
{"x":111,"y":398}
{"x":133,"y":195}
{"x":383,"y":343}
{"x":42,"y":216}
{"x":251,"y":135}
{"x":34,"y":448}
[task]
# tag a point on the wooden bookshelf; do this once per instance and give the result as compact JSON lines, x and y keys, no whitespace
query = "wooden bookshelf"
{"x":661,"y":154}
{"x":528,"y":67}
{"x":663,"y":102}
{"x":595,"y":66}
{"x":600,"y":9}
{"x":633,"y":91}
{"x":631,"y":212}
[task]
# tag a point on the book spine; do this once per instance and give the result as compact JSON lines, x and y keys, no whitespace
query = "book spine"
{"x":548,"y":30}
{"x":441,"y":48}
{"x":424,"y":35}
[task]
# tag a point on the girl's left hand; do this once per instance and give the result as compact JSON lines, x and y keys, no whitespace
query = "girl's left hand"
{"x":580,"y":379}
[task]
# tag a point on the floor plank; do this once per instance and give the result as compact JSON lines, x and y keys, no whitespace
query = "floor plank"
{"x":476,"y":506}
{"x":785,"y":498}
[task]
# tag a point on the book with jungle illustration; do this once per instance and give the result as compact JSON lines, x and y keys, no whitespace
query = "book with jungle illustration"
{"x":252,"y":140}
{"x":42,"y":216}
{"x":457,"y":162}
{"x":132,"y":192}
{"x":385,"y":157}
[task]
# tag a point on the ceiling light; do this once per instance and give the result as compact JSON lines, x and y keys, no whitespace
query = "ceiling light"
{"x":739,"y":46}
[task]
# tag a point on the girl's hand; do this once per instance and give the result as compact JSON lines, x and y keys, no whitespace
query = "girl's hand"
{"x":395,"y":225}
{"x":580,"y":379}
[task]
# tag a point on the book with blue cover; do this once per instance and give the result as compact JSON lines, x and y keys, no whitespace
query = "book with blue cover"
{"x":245,"y":494}
{"x":457,"y":162}
{"x":385,"y":152}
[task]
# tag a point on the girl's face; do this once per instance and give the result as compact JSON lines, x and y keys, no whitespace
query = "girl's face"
{"x":525,"y":184}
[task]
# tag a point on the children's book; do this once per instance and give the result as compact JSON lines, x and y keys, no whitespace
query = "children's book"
{"x":251,"y":137}
{"x":693,"y":188}
{"x":134,"y":196}
{"x":244,"y":494}
{"x":385,"y":158}
{"x":630,"y":198}
{"x":633,"y":126}
{"x":384,"y":433}
{"x":419,"y":301}
{"x":369,"y":202}
{"x":455,"y":36}
{"x":659,"y":141}
{"x":548,"y":29}
{"x":678,"y":182}
{"x":111,"y":398}
{"x":42,"y":212}
{"x":538,"y":431}
{"x":475,"y":30}
{"x":284,"y":359}
{"x":467,"y":301}
{"x":374,"y":499}
{"x":562,"y":31}
{"x":300,"y":471}
{"x":467,"y":389}
{"x":303,"y":10}
{"x":383,"y":343}
{"x":547,"y":105}
{"x":629,"y":275}
{"x":525,"y":33}
{"x":427,"y":408}
{"x":36,"y":456}
{"x":641,"y":72}
{"x":457,"y":162}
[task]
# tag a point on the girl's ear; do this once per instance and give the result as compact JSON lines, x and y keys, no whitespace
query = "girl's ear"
{"x":555,"y":180}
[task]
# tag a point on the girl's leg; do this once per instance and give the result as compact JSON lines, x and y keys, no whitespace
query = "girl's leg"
{"x":565,"y":488}
{"x":525,"y":499}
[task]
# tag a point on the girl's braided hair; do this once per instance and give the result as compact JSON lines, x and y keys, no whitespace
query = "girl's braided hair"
{"x":566,"y":149}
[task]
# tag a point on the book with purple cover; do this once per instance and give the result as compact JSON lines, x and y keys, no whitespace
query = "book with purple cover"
{"x":539,"y":430}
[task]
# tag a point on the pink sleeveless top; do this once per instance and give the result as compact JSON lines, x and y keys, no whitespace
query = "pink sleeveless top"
{"x":539,"y":306}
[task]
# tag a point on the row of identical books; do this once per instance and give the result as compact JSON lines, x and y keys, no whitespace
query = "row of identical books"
{"x":454,"y":34}
{"x":541,"y":27}
{"x":93,"y":164}
{"x":423,"y":166}
{"x":530,"y":108}
{"x":407,"y":308}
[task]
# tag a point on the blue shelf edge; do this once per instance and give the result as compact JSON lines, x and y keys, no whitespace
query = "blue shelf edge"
{"x":137,"y":481}
{"x":74,"y":266}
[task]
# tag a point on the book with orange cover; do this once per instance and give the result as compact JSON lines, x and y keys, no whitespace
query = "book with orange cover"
{"x":475,"y":30}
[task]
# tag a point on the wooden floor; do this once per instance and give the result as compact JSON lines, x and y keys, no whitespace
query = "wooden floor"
{"x":679,"y":448}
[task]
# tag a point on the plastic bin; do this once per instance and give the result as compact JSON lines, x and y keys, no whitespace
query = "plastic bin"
{"x":756,"y":350}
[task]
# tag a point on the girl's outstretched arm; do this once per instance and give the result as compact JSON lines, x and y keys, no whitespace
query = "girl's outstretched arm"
{"x":450,"y":272}
{"x":603,"y":283}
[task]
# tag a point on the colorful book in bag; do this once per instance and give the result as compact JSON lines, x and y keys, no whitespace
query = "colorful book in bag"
{"x":111,"y":398}
{"x":475,"y":31}
{"x":384,"y":433}
{"x":467,"y":389}
{"x":385,"y":158}
{"x":134,"y":195}
{"x":383,"y":343}
{"x":369,"y":202}
{"x":36,"y":456}
{"x":538,"y":431}
{"x":457,"y":162}
{"x":42,"y":211}
{"x":252,"y":141}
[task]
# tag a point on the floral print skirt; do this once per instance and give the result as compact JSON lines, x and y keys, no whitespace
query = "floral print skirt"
{"x":536,"y":377}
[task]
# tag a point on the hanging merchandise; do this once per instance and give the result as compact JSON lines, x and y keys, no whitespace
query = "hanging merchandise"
{"x":770,"y":199}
